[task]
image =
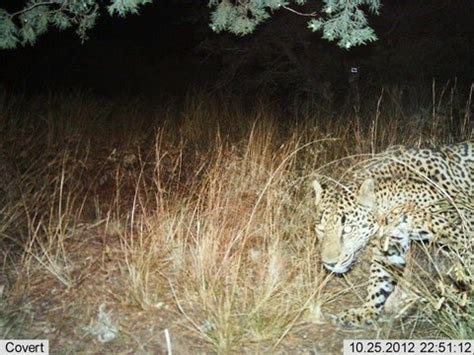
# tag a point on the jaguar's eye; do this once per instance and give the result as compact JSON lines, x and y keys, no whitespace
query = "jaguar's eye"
{"x":318,"y":218}
{"x":347,"y":229}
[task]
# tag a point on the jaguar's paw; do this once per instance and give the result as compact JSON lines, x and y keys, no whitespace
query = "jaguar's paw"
{"x":357,"y":317}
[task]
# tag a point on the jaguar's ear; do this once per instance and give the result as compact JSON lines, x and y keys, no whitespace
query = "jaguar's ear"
{"x":366,"y":194}
{"x":318,"y":189}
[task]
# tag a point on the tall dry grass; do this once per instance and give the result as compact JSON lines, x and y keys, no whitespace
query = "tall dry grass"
{"x":200,"y":212}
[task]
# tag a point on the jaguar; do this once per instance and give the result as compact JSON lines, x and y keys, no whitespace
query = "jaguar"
{"x":400,"y":196}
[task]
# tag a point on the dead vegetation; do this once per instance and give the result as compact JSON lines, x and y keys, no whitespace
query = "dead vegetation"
{"x":194,"y":233}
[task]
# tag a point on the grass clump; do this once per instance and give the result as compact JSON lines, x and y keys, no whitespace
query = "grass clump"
{"x":200,"y":227}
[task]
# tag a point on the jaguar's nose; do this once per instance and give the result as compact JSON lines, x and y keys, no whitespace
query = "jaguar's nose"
{"x":329,"y":265}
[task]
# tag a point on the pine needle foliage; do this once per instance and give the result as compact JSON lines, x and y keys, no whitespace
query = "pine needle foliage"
{"x":342,"y":21}
{"x":25,"y":25}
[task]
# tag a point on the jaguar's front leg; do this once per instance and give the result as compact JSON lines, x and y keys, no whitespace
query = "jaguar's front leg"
{"x":388,"y":263}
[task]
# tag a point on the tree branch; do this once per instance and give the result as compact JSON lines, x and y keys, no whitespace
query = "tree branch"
{"x":32,"y":7}
{"x":311,"y":14}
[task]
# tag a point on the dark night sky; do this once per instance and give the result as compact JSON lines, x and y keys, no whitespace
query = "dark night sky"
{"x":157,"y":51}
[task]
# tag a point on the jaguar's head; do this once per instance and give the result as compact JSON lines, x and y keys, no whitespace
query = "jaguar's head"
{"x":345,"y":222}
